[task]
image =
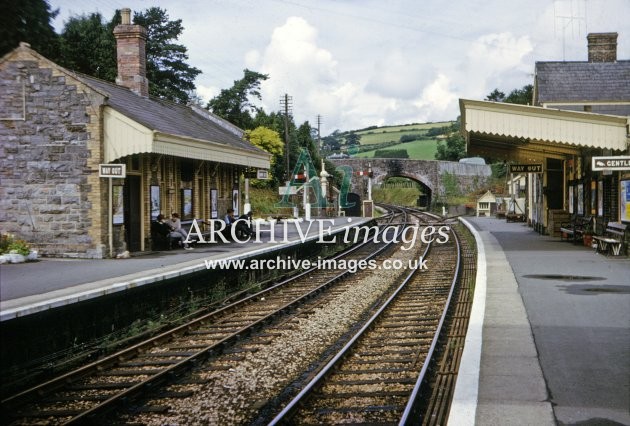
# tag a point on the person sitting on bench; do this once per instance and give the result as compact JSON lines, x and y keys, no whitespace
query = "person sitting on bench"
{"x":177,"y":232}
{"x":242,"y":228}
{"x":161,"y":232}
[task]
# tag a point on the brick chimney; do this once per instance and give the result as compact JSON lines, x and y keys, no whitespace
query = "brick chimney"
{"x":131,"y":55}
{"x":602,"y":47}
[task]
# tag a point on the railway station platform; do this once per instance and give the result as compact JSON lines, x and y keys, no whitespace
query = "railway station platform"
{"x":33,"y":287}
{"x":549,"y":335}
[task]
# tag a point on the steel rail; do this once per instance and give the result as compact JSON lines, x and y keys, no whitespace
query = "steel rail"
{"x":292,"y":407}
{"x":124,"y":355}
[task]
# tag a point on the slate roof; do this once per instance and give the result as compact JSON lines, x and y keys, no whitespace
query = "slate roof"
{"x":583,"y":81}
{"x":168,"y":117}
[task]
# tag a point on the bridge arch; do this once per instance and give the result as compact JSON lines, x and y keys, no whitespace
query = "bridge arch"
{"x":429,"y":173}
{"x":424,"y":199}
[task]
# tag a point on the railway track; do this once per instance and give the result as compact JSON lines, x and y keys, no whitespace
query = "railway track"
{"x":376,"y":377}
{"x":90,"y":391}
{"x":199,"y":372}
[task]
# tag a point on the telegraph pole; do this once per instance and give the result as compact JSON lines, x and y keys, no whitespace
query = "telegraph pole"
{"x":285,"y":103}
{"x":319,"y":135}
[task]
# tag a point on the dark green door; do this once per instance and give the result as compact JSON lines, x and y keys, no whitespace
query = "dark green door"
{"x":133,"y":220}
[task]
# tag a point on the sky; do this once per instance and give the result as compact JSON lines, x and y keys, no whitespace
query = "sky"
{"x":359,"y":63}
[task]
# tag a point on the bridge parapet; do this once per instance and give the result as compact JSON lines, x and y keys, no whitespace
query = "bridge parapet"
{"x":429,"y":173}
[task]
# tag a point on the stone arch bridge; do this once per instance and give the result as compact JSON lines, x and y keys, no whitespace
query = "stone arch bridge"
{"x":432,"y":175}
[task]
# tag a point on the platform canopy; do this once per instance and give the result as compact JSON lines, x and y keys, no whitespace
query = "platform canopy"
{"x":502,"y":130}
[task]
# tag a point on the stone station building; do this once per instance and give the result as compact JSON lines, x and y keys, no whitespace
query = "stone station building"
{"x":57,"y":127}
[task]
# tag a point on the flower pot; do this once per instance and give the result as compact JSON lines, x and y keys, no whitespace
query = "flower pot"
{"x":588,"y":240}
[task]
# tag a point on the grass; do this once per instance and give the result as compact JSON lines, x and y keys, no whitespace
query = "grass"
{"x":423,"y":149}
{"x":397,"y":196}
{"x":393,"y":133}
{"x":263,"y":201}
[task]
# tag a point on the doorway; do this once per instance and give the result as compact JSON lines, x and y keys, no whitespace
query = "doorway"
{"x":555,"y":184}
{"x":132,"y":196}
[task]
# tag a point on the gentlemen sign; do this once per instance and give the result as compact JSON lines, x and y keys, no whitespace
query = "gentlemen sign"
{"x":526,"y":168}
{"x":611,"y":163}
{"x":112,"y":170}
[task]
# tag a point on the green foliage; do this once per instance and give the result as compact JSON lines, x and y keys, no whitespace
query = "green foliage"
{"x":353,"y":139}
{"x":29,"y":21}
{"x":418,"y":150}
{"x":263,"y":201}
{"x":523,"y":96}
{"x":234,"y":104}
{"x":436,"y":131}
{"x":453,"y":149}
{"x":8,"y":244}
{"x":5,"y":240}
{"x":398,"y":196}
{"x":266,"y":139}
{"x":392,"y":134}
{"x":452,"y":194}
{"x":87,"y":45}
{"x":170,"y":77}
{"x":411,"y":137}
{"x":499,"y":170}
{"x":496,"y":95}
{"x":391,"y":153}
{"x":331,"y":143}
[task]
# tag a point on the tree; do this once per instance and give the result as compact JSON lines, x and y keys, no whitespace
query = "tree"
{"x":522,"y":96}
{"x":453,"y":149}
{"x":266,"y":139}
{"x":234,"y":104}
{"x":269,"y":140}
{"x":496,"y":95}
{"x":29,"y":21}
{"x":353,"y":139}
{"x":170,"y":77}
{"x":331,"y":143}
{"x":87,"y":45}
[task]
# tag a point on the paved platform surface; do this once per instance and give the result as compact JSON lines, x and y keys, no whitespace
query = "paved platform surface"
{"x":549,"y":339}
{"x":36,"y":286}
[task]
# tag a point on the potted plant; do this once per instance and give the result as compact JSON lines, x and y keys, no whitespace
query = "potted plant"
{"x":587,"y":237}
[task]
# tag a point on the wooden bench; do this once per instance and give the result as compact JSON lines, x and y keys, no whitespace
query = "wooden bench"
{"x":515,"y":217}
{"x":204,"y":227}
{"x":574,"y":230}
{"x":613,"y":238}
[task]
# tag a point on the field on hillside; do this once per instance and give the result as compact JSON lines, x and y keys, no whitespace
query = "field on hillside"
{"x":423,"y":149}
{"x":393,"y":133}
{"x":388,"y":138}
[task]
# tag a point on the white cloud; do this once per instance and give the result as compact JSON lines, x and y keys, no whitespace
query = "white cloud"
{"x":206,"y":93}
{"x":495,"y":60}
{"x":296,"y":65}
{"x":499,"y":52}
{"x":398,"y":74}
{"x":373,"y":63}
{"x":437,"y":98}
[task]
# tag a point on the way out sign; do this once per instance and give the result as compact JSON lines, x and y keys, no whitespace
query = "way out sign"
{"x":619,"y":162}
{"x":112,"y":170}
{"x":526,"y":168}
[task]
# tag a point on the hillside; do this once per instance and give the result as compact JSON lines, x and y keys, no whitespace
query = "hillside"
{"x":418,"y":140}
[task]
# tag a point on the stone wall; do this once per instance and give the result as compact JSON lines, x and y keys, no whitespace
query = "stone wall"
{"x":49,"y":127}
{"x":429,"y":173}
